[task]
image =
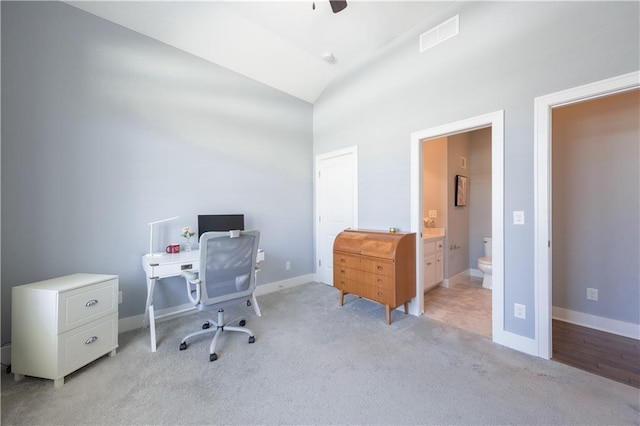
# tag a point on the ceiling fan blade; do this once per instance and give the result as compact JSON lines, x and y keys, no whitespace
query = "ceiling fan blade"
{"x":337,"y":5}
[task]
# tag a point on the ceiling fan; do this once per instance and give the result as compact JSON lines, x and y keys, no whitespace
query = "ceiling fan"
{"x":336,"y":5}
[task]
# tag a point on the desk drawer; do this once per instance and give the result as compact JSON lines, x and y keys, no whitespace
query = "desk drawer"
{"x":80,"y":346}
{"x":85,"y":304}
{"x":377,"y":294}
{"x":378,"y":266}
{"x":381,"y":281}
{"x":174,"y":269}
{"x":348,"y":273}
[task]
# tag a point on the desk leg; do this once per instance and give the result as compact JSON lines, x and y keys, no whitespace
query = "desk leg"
{"x":256,"y":308}
{"x":151,"y":283}
{"x":152,"y":328}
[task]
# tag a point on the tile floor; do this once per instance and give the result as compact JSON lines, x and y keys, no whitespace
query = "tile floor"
{"x":464,"y":304}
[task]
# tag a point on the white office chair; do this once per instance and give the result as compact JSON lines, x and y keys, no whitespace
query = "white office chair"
{"x":226,"y":277}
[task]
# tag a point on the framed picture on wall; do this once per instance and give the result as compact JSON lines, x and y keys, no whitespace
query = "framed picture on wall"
{"x":461,"y":190}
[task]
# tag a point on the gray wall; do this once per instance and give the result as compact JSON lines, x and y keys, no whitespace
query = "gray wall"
{"x":479,"y":166}
{"x":506,"y":54}
{"x":457,"y":259}
{"x":596,"y":205}
{"x":105,"y":130}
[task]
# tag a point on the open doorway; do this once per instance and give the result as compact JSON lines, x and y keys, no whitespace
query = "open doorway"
{"x":494,"y":121}
{"x":595,"y":231}
{"x":457,"y":230}
{"x":545,"y":243}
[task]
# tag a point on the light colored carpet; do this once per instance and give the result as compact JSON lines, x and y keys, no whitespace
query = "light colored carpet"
{"x":317,"y":363}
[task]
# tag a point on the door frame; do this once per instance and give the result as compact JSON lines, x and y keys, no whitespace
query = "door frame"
{"x":353,"y":152}
{"x":543,"y":106}
{"x":495,"y":120}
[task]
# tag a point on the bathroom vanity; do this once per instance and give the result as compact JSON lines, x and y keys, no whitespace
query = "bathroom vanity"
{"x":433,"y":267}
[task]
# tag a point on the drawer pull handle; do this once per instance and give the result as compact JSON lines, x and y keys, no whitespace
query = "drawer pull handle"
{"x":185,"y":267}
{"x":91,"y":303}
{"x":90,"y":340}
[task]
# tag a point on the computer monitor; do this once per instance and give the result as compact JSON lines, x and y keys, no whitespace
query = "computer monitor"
{"x":219,"y":223}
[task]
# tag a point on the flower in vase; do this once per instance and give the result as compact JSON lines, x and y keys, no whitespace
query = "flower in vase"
{"x":187,"y":232}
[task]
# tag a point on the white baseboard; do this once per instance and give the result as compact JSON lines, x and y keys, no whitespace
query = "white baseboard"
{"x":475,"y":273}
{"x":136,"y":321}
{"x":281,"y":285}
{"x":608,"y":325}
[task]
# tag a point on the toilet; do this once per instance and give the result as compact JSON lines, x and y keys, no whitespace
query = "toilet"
{"x":484,"y":263}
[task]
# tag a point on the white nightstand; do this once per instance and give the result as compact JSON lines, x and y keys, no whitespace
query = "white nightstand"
{"x":62,"y":324}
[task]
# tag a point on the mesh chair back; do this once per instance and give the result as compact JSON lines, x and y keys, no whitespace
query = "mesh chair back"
{"x":227,"y":266}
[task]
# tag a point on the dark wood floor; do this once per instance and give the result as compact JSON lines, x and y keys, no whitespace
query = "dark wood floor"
{"x":609,"y":355}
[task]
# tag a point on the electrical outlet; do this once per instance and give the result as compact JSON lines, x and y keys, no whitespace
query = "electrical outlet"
{"x":119,"y":297}
{"x":519,"y":311}
{"x":518,"y":217}
{"x":287,"y":265}
{"x":592,"y":294}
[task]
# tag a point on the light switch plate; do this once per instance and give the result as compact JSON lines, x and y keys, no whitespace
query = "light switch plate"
{"x":518,"y":217}
{"x":433,"y":214}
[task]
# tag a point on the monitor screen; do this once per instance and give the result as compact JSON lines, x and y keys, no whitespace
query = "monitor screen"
{"x":219,"y":223}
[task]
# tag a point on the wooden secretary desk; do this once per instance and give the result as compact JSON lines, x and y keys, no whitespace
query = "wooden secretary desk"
{"x":376,"y":265}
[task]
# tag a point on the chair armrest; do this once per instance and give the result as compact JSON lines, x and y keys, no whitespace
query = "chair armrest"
{"x":193,"y":286}
{"x":190,"y":276}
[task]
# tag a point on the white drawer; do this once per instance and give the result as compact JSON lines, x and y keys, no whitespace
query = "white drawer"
{"x":85,"y":304}
{"x":80,"y":346}
{"x":174,"y":269}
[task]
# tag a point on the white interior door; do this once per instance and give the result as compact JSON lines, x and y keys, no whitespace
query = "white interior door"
{"x":336,"y":204}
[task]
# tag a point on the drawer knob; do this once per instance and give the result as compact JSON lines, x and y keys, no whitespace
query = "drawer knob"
{"x":90,"y":340}
{"x":380,"y":268}
{"x":91,"y":303}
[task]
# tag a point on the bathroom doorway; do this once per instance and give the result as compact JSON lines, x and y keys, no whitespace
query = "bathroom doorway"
{"x":495,"y":122}
{"x":463,"y":217}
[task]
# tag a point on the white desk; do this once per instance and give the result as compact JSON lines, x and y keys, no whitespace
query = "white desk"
{"x":172,"y":265}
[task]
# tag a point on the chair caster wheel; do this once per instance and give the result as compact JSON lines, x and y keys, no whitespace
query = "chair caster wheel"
{"x":183,"y":346}
{"x":206,"y":325}
{"x":252,"y":339}
{"x":212,"y":357}
{"x":248,"y":302}
{"x":242,"y":323}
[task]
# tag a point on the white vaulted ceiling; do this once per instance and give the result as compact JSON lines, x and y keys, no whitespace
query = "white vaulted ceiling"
{"x":278,"y":43}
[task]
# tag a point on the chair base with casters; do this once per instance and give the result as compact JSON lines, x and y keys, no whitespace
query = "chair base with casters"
{"x":218,"y":327}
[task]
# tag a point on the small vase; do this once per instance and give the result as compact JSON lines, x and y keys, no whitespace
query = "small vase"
{"x":187,"y":245}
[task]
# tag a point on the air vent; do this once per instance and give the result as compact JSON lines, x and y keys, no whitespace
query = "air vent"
{"x":442,"y":32}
